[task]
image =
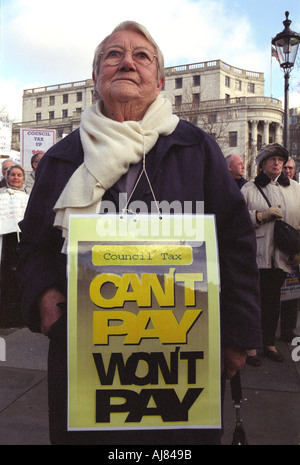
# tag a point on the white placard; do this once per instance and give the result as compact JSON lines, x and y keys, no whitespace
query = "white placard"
{"x":34,"y":141}
{"x":12,"y":209}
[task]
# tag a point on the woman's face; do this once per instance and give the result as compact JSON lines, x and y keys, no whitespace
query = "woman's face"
{"x":127,"y":83}
{"x":273,"y":166}
{"x":15,"y":178}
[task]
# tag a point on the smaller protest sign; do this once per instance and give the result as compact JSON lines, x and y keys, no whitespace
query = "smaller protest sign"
{"x":291,"y":286}
{"x":33,"y":141}
{"x":12,"y":209}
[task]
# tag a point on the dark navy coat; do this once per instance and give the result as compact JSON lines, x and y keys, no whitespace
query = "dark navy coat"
{"x":186,"y":166}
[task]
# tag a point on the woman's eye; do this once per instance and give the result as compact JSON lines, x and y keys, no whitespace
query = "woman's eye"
{"x":142,"y":55}
{"x":114,"y":53}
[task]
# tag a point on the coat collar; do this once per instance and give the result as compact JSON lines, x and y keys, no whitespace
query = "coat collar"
{"x":68,"y":149}
{"x":158,"y":152}
{"x":263,"y":180}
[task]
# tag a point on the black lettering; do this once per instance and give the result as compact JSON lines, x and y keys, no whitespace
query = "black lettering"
{"x":191,"y":357}
{"x":104,"y":407}
{"x":116,"y":361}
{"x":156,"y":363}
{"x":168,"y":406}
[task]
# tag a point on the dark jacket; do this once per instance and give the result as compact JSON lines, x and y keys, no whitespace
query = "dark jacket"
{"x":241,"y":182}
{"x":186,"y":166}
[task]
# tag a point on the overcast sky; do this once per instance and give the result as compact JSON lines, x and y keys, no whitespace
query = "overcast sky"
{"x":47,"y":43}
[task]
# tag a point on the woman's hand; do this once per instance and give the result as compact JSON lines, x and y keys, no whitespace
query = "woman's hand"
{"x":49,"y":310}
{"x":232,"y":360}
{"x":295,"y":260}
{"x":268,"y":215}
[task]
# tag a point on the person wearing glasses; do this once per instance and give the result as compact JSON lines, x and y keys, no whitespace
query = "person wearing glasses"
{"x":131,"y":130}
{"x":284,"y":196}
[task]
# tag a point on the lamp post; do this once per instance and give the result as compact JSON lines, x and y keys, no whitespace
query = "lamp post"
{"x":286,"y":44}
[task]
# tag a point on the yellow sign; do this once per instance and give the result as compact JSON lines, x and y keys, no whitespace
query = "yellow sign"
{"x":143,"y":323}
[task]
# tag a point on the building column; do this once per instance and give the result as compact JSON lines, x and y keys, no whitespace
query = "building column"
{"x":266,"y":135}
{"x":278,"y":134}
{"x":253,"y":149}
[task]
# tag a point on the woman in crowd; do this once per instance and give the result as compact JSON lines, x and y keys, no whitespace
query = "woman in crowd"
{"x":284,"y":196}
{"x":131,"y":128}
{"x":15,"y":178}
{"x":10,"y":311}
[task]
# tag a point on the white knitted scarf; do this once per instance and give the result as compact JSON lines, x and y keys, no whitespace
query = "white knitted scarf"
{"x":109,"y":147}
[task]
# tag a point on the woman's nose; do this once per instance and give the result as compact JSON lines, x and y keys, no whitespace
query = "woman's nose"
{"x":127,"y":63}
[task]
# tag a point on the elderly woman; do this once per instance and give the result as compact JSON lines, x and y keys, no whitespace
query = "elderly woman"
{"x":284,"y":196}
{"x":15,"y":178}
{"x":130,"y":122}
{"x":10,"y":312}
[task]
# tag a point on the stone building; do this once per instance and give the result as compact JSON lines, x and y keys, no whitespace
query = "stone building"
{"x":295,"y":134}
{"x":226,"y":101}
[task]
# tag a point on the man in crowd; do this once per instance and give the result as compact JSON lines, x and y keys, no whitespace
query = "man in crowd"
{"x":289,"y":308}
{"x":236,"y":167}
{"x":30,"y":177}
{"x":5,"y":165}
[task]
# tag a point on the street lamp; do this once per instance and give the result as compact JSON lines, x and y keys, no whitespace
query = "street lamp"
{"x":286,"y":43}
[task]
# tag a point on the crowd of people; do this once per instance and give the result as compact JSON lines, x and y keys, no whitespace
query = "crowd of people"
{"x":127,"y":142}
{"x":14,"y":182}
{"x":276,"y":176}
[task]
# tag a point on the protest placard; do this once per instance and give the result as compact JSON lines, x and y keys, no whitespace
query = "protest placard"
{"x":33,"y":141}
{"x":12,"y":209}
{"x":291,"y":286}
{"x":143,"y":323}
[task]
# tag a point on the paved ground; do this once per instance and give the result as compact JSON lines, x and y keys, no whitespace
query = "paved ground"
{"x":270,"y":409}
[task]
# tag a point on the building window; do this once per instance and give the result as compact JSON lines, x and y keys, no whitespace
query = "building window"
{"x":178,"y":100}
{"x":178,"y":83}
{"x":65,"y":113}
{"x":238,"y":85}
{"x":65,"y":98}
{"x":232,"y":138}
{"x":251,"y":87}
{"x":227,"y":81}
{"x":196,"y":99}
{"x":38,"y":116}
{"x":212,"y":118}
{"x":51,"y":100}
{"x":51,"y":114}
{"x":196,"y":80}
{"x":39,"y":102}
{"x":78,"y":96}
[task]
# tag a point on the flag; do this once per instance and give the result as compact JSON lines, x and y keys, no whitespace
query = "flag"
{"x":274,"y":52}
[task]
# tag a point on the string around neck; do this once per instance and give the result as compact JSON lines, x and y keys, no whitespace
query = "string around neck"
{"x":144,"y":171}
